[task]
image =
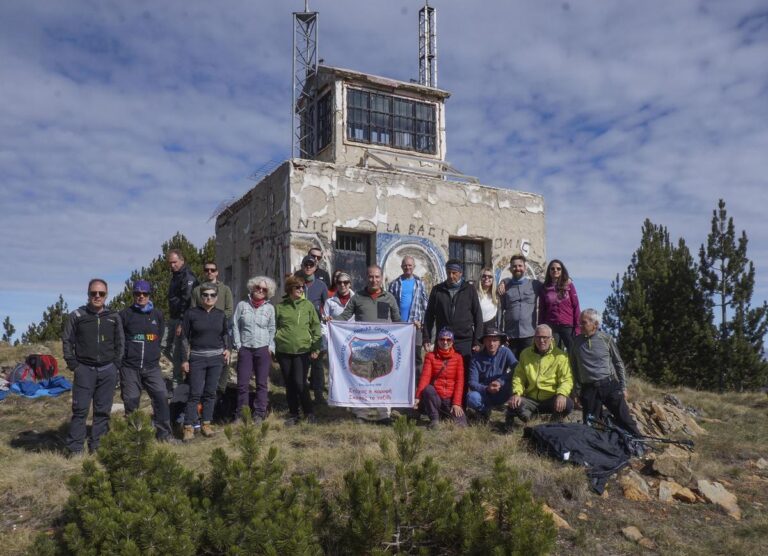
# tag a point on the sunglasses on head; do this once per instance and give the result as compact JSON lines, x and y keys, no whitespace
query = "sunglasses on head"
{"x":209,"y":295}
{"x":97,"y":294}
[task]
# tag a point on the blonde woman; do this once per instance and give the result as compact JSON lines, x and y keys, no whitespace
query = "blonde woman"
{"x":489,"y":300}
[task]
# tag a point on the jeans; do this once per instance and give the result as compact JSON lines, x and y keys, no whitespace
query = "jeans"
{"x":97,"y":385}
{"x":250,"y":362}
{"x":131,"y":382}
{"x":203,"y":379}
{"x":484,"y":401}
{"x":295,"y":367}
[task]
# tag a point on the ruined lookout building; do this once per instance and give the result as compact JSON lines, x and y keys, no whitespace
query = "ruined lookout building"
{"x":373,"y":185}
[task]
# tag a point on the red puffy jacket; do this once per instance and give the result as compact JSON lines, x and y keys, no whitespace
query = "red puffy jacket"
{"x":449,"y":383}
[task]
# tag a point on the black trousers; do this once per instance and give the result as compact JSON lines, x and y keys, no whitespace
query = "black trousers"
{"x":519,"y":344}
{"x":131,"y":382}
{"x":608,"y":393}
{"x":295,"y":367}
{"x":92,"y":385}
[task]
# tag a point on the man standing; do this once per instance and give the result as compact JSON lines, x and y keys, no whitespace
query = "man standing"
{"x":490,"y":374}
{"x":317,"y":254}
{"x":93,"y":344}
{"x":316,"y":291}
{"x":517,"y":306}
{"x":411,"y":297}
{"x":454,"y":304}
{"x":224,"y":302}
{"x":542,"y":380}
{"x":373,"y":304}
{"x":182,"y":283}
{"x":143,"y":328}
{"x":600,"y":373}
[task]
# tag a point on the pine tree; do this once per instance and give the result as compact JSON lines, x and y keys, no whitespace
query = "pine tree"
{"x":159,"y":274}
{"x":50,"y":327}
{"x":8,"y":330}
{"x":728,"y":279}
{"x":658,"y":314}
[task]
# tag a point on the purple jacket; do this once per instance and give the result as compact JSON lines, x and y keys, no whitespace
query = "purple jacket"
{"x":555,"y":310}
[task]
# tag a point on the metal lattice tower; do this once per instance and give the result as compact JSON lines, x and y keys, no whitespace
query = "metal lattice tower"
{"x":428,"y":45}
{"x":304,"y":72}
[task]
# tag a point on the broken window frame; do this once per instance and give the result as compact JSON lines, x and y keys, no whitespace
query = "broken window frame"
{"x":471,"y":253}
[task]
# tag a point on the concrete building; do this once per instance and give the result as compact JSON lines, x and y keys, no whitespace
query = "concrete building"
{"x":376,"y":187}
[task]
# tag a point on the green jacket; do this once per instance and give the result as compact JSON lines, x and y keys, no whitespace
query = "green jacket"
{"x":298,"y":327}
{"x":540,"y":377}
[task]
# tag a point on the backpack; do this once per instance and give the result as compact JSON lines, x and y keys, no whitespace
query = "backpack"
{"x":44,"y":366}
{"x":21,"y":373}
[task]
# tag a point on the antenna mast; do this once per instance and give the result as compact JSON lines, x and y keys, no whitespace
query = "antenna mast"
{"x":428,"y":46}
{"x":304,"y":73}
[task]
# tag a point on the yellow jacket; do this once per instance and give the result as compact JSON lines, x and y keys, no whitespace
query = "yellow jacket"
{"x":540,"y":377}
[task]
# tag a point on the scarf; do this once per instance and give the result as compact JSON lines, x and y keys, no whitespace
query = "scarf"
{"x":375,"y":294}
{"x":444,"y":353}
{"x":344,"y":298}
{"x":455,"y":286}
{"x":146,"y":309}
{"x":256,"y":304}
{"x":516,"y":281}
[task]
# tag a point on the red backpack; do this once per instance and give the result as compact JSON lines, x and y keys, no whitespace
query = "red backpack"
{"x":44,"y":366}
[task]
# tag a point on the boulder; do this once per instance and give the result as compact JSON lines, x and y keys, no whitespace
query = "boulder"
{"x":632,"y":533}
{"x":674,"y":462}
{"x":670,"y":491}
{"x":657,"y":419}
{"x":761,"y":464}
{"x":715,"y":493}
{"x":634,"y":486}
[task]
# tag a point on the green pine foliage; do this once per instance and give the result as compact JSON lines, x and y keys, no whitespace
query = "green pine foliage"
{"x":159,"y":274}
{"x":728,"y":278}
{"x":50,"y":327}
{"x":8,"y":330}
{"x":659,"y":315}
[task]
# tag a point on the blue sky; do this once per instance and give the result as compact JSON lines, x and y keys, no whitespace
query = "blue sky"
{"x":123,"y":122}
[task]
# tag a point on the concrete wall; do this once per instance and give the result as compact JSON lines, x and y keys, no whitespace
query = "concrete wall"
{"x":304,"y":203}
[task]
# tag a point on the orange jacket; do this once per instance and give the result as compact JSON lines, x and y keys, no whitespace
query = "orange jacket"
{"x":450,"y":382}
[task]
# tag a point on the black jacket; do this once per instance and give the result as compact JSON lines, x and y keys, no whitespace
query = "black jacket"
{"x":143,"y":332}
{"x":205,"y":330}
{"x":461,"y":313}
{"x":93,"y":339}
{"x":180,"y":292}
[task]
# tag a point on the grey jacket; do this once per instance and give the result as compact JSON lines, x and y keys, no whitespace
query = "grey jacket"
{"x":254,"y":328}
{"x":517,"y":308}
{"x":366,"y":309}
{"x":596,"y":357}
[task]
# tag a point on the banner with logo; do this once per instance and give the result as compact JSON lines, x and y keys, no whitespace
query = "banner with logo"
{"x":371,"y":364}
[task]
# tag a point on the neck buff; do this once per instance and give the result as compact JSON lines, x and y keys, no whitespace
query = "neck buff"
{"x":516,"y":281}
{"x":455,"y":286}
{"x":256,"y":304}
{"x":146,"y":309}
{"x":444,"y":353}
{"x":344,"y":298}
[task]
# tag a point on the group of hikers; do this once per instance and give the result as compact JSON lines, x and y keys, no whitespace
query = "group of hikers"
{"x":522,"y":345}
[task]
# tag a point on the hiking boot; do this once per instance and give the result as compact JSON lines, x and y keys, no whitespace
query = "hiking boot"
{"x":319,"y":398}
{"x":168,"y":440}
{"x":433,"y":424}
{"x":207,"y":429}
{"x":258,"y":420}
{"x":311,"y":419}
{"x":189,"y":433}
{"x":291,"y":421}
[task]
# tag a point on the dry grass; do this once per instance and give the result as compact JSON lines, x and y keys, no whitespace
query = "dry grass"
{"x":33,"y":483}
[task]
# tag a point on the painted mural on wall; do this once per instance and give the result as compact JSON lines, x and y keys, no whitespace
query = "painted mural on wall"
{"x":429,"y":257}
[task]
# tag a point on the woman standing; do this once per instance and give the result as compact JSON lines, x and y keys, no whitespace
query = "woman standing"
{"x":205,"y":342}
{"x":441,"y":386}
{"x":335,"y":304}
{"x":559,"y":305}
{"x":254,"y":336}
{"x":298,"y":339}
{"x":489,"y":300}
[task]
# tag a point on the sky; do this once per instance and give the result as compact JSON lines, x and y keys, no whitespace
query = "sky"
{"x":123,"y":122}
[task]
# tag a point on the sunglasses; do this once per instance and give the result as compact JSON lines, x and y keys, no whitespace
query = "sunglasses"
{"x":486,"y":277}
{"x":209,"y":295}
{"x":141,"y":294}
{"x":97,"y":294}
{"x":298,"y":287}
{"x":445,"y":340}
{"x":555,"y":268}
{"x":345,"y":282}
{"x":543,"y":337}
{"x":209,"y":270}
{"x":259,"y":289}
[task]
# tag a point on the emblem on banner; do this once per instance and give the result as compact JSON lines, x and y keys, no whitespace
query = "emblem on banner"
{"x":371,"y":358}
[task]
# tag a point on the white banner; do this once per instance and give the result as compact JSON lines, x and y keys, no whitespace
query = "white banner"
{"x":371,"y":364}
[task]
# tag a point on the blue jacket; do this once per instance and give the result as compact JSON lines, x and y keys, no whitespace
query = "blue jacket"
{"x":485,"y":368}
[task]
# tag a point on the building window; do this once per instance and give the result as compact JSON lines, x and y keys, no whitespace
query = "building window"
{"x":383,"y":119}
{"x":352,"y":254}
{"x":470,"y":253}
{"x":317,"y":125}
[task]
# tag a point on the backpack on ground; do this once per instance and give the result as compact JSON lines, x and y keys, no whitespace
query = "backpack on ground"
{"x":44,"y":366}
{"x":21,"y":373}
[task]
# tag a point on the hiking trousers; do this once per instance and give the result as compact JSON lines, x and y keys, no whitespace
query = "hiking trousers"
{"x":295,"y":368}
{"x":435,"y":407}
{"x":529,"y":407}
{"x":607,"y":392}
{"x":203,"y":379}
{"x":91,"y":385}
{"x":131,"y":382}
{"x":253,"y":362}
{"x":484,"y":401}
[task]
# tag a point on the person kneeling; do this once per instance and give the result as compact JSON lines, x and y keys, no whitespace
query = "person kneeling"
{"x":542,"y":380}
{"x":441,"y":385}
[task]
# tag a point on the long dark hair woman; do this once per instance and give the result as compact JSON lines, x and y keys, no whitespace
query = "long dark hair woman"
{"x":559,"y":304}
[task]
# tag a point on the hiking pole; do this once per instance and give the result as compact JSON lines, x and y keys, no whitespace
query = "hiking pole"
{"x":685,"y":443}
